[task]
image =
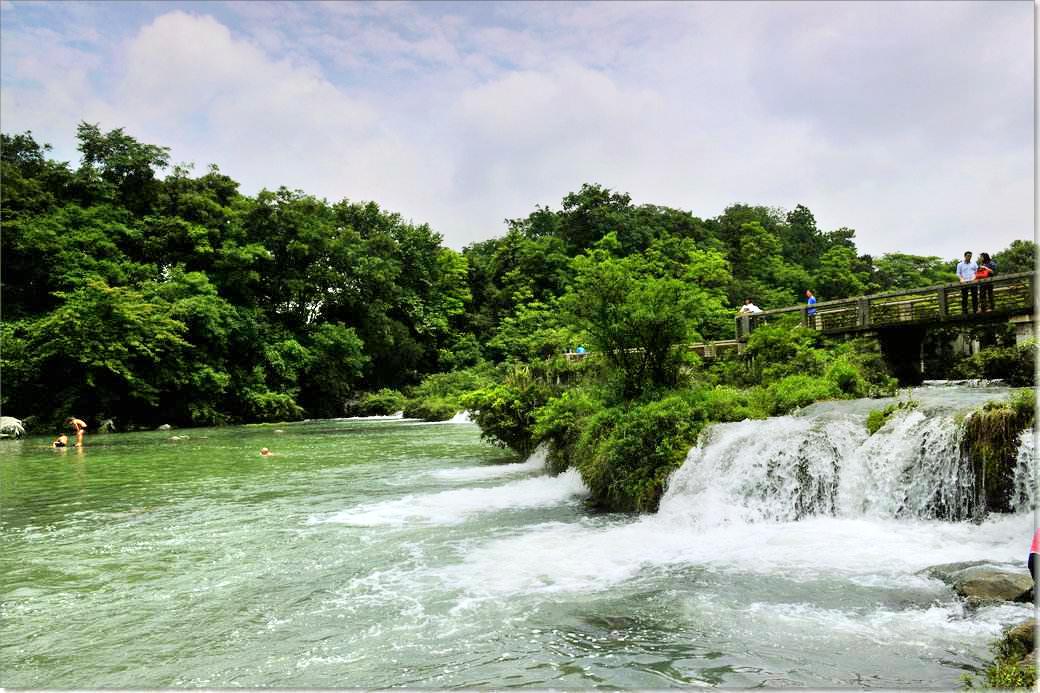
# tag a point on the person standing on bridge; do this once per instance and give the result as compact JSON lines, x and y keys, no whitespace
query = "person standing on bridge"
{"x":749,"y":308}
{"x":966,"y":274}
{"x":811,"y":310}
{"x":987,"y":270}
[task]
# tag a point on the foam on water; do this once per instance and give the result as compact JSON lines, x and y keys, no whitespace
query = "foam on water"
{"x":534,"y":463}
{"x":456,"y":505}
{"x":562,"y":557}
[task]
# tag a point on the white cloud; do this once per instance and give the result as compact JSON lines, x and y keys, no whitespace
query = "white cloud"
{"x":910,"y":123}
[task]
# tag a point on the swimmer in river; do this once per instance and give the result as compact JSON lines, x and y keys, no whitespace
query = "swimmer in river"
{"x":61,"y":441}
{"x":264,"y":452}
{"x":79,"y":426}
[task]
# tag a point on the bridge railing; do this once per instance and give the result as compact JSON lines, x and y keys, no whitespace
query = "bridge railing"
{"x":1002,"y":295}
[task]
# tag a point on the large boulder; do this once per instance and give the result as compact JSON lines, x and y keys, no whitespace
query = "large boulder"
{"x":985,"y":581}
{"x":11,"y":427}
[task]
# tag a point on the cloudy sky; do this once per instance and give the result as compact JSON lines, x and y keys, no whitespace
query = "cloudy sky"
{"x":910,"y":122}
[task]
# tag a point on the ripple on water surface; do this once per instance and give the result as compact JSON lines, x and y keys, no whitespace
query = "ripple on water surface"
{"x":391,"y":553}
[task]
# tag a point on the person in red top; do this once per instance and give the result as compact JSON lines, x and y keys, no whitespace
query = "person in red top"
{"x":987,"y":268}
{"x":1033,"y":550}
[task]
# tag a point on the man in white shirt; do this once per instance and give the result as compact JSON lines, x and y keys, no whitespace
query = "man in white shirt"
{"x":966,"y":274}
{"x":748,"y":308}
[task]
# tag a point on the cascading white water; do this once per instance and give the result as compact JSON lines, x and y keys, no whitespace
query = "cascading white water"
{"x":791,"y":467}
{"x":1025,"y":474}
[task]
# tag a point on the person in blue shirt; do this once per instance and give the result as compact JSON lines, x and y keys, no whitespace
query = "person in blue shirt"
{"x":811,"y":312}
{"x":580,"y":349}
{"x":966,"y":274}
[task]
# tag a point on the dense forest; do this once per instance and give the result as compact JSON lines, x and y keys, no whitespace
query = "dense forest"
{"x":147,"y":293}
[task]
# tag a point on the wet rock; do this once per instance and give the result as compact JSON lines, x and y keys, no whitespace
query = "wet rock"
{"x":1021,"y":638}
{"x":164,"y":427}
{"x":11,"y":427}
{"x":107,"y":426}
{"x":985,"y":581}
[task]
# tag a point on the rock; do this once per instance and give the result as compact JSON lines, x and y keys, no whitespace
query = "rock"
{"x":106,"y":426}
{"x":1021,"y":638}
{"x":164,"y":427}
{"x":11,"y":427}
{"x":984,"y":581}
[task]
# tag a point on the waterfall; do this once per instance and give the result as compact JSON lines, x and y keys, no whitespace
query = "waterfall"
{"x":823,"y":463}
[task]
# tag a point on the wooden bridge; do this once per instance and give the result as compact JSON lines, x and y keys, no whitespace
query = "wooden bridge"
{"x":904,"y":313}
{"x":999,"y":299}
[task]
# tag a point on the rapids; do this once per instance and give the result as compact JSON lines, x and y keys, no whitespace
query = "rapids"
{"x":385,"y":552}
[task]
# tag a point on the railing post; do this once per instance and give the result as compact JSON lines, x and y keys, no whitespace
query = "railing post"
{"x":805,"y":316}
{"x":943,"y":311}
{"x":863,"y":317}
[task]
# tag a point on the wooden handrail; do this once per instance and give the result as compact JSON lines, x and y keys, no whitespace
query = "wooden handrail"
{"x":859,"y":307}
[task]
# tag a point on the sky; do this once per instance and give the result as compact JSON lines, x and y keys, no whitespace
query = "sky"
{"x":911,"y":123}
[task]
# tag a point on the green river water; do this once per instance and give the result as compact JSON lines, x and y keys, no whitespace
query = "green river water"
{"x":395,"y":553}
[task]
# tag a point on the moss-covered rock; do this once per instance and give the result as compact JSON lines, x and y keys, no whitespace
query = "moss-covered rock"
{"x":879,"y":417}
{"x":1014,"y":662}
{"x":990,"y":441}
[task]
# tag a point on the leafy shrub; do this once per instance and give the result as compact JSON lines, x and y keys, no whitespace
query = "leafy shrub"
{"x":776,"y":351}
{"x":795,"y":391}
{"x":505,"y":411}
{"x":628,"y":458}
{"x":560,"y":423}
{"x":432,"y":408}
{"x":846,"y":377}
{"x":272,"y":406}
{"x":1014,"y":364}
{"x":731,"y":404}
{"x":439,"y":396}
{"x":382,"y":403}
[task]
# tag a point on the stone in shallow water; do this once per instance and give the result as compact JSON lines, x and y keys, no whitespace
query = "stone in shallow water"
{"x":984,"y":581}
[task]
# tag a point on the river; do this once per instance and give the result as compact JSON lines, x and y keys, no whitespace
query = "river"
{"x":390,"y":552}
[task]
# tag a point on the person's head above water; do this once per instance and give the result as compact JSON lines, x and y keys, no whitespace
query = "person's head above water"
{"x":264,"y":452}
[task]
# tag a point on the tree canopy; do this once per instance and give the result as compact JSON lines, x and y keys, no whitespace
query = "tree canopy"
{"x":151,"y":293}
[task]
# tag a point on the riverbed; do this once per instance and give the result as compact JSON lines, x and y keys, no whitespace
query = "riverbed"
{"x":378,"y":553}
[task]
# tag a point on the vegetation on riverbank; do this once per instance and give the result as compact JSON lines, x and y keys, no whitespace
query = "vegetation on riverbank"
{"x":1014,"y":661}
{"x":178,"y":299}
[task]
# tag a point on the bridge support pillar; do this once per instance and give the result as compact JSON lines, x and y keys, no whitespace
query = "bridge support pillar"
{"x":1025,"y":328}
{"x":903,"y":351}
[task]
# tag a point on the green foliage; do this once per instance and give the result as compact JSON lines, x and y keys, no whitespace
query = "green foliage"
{"x":636,"y":312}
{"x":878,"y":417}
{"x":1014,"y":661}
{"x":385,"y":402}
{"x":439,"y":397}
{"x":796,"y":391}
{"x":505,"y":411}
{"x":1014,"y":364}
{"x":560,"y":423}
{"x":179,"y":299}
{"x":1020,"y":256}
{"x":631,"y":451}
